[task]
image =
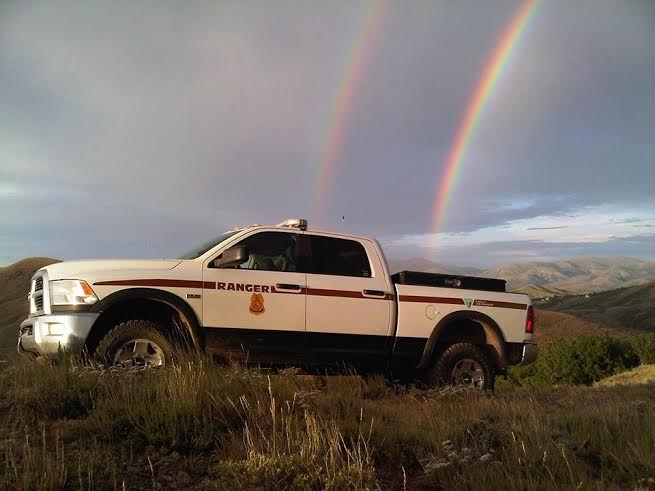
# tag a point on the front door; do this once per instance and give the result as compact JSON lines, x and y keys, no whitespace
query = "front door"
{"x":256,"y":310}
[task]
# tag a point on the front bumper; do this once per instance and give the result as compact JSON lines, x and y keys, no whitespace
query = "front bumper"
{"x":529,"y":355}
{"x":45,"y":335}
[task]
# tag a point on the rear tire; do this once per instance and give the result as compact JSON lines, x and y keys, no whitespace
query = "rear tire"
{"x":463,"y":365}
{"x":135,"y":343}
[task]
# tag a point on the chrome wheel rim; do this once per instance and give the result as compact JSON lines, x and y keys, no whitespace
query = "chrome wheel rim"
{"x":467,"y":372}
{"x":140,"y":353}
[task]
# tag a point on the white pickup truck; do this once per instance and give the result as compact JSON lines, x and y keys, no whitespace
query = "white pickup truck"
{"x":283,"y":295}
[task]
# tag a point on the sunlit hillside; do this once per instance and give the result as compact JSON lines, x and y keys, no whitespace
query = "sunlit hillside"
{"x":553,"y":325}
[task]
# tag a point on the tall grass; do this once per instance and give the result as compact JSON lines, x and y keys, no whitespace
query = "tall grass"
{"x":199,"y":424}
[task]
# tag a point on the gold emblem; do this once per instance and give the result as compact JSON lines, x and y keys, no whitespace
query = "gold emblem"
{"x":257,"y":304}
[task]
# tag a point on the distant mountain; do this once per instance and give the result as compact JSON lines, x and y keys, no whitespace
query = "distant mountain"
{"x":625,"y":308}
{"x":422,"y":264}
{"x":579,"y":275}
{"x":14,"y":287}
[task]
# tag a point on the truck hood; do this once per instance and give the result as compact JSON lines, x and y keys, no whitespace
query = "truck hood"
{"x":74,"y":269}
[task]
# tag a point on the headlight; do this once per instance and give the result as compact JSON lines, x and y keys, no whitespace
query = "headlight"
{"x":71,"y":292}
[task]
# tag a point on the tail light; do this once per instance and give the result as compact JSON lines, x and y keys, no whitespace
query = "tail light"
{"x":529,"y":322}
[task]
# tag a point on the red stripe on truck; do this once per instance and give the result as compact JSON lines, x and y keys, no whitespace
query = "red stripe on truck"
{"x":322,"y":292}
{"x":416,"y":298}
{"x":160,"y":282}
{"x":502,"y":305}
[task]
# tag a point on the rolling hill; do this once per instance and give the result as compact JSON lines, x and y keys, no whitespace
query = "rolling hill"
{"x":624,"y":308}
{"x":14,"y":287}
{"x":552,"y":325}
{"x":580,"y":275}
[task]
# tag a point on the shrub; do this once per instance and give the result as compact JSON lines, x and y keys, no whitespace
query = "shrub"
{"x":644,"y":347}
{"x":577,"y":360}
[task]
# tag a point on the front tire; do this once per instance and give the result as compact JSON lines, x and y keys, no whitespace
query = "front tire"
{"x":463,"y":365}
{"x":135,"y":343}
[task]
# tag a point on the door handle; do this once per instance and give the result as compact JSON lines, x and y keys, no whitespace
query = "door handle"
{"x":374,"y":293}
{"x":289,"y":287}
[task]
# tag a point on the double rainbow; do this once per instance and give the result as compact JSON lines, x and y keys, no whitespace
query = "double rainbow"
{"x":486,"y":86}
{"x":354,"y":73}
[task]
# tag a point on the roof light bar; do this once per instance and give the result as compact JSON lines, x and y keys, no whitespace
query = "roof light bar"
{"x":300,"y":223}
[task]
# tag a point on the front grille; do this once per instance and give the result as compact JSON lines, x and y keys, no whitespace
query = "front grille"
{"x":38,"y":293}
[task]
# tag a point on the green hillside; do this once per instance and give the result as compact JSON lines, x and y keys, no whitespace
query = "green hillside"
{"x":625,"y":308}
{"x":553,"y":325}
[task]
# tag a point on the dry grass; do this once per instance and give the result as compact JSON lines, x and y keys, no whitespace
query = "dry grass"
{"x":643,"y":374}
{"x":203,"y":426}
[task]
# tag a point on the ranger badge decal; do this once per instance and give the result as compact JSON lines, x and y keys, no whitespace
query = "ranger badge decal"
{"x":257,"y":304}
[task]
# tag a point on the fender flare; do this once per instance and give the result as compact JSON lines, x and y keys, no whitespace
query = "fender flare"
{"x":492,"y":332}
{"x":155,"y":295}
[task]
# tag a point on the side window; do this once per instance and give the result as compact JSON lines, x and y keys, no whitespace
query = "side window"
{"x":340,"y":257}
{"x":271,"y":251}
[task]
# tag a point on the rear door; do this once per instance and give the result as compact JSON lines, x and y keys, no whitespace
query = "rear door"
{"x":257,"y":309}
{"x":349,"y":302}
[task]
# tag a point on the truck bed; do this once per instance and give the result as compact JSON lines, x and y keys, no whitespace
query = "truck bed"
{"x":448,"y":281}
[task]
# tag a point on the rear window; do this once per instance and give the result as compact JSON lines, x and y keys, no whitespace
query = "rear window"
{"x":339,"y":257}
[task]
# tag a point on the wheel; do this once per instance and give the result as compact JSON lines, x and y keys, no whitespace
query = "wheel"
{"x":135,"y":343}
{"x":463,"y":364}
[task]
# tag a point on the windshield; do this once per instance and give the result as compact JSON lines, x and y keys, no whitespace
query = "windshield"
{"x":205,"y":246}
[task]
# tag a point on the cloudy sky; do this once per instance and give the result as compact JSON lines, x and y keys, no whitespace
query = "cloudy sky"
{"x":136,"y":129}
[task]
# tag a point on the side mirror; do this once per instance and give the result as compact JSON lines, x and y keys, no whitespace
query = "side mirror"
{"x":232,"y":257}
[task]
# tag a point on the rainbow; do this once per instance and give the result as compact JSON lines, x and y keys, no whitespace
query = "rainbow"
{"x":353,"y":75}
{"x":486,"y":86}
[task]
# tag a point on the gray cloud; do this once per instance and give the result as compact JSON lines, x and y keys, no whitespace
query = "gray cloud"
{"x":627,"y":220}
{"x":137,"y":129}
